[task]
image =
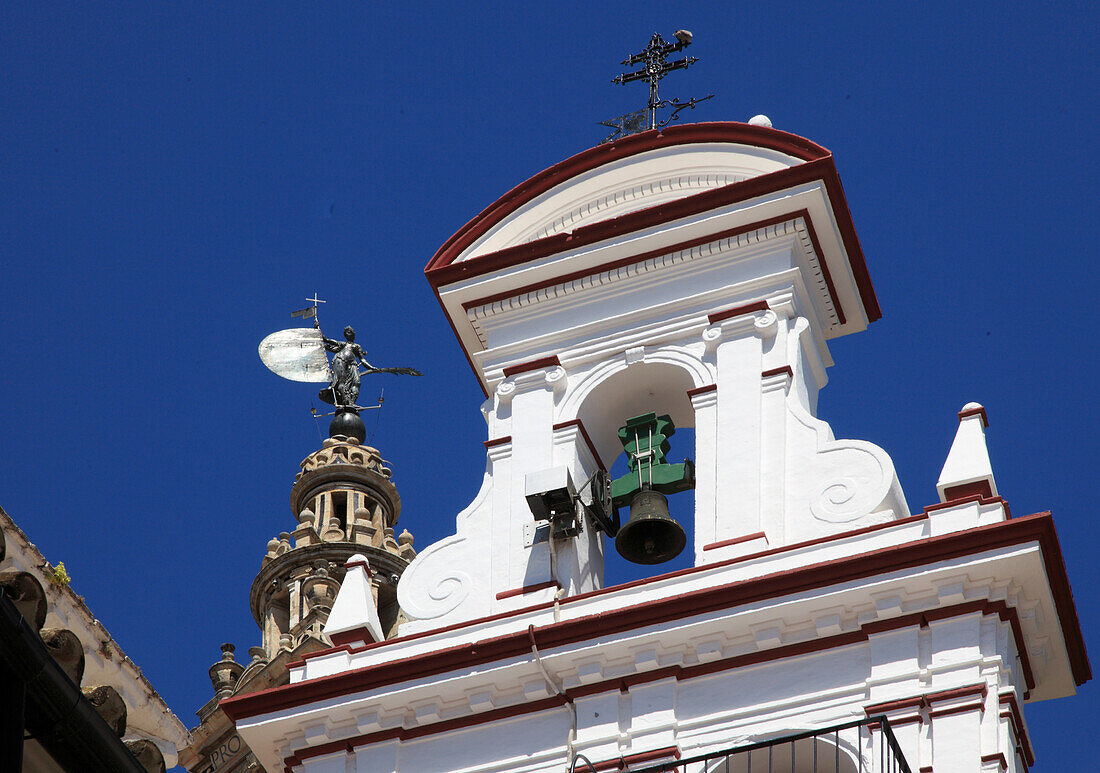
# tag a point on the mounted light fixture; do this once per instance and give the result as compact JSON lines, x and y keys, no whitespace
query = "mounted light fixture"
{"x":554,"y":499}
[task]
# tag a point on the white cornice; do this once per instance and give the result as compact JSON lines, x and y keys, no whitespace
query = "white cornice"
{"x":794,"y":228}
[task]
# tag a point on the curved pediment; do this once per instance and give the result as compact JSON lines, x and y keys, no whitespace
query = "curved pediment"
{"x":693,"y":204}
{"x":635,"y":173}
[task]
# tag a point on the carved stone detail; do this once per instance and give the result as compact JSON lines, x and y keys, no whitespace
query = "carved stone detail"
{"x":109,"y":705}
{"x":224,"y":673}
{"x":147,"y":754}
{"x":557,"y":379}
{"x":345,"y":503}
{"x":766,"y":323}
{"x":66,"y":650}
{"x":338,"y":451}
{"x":27,"y":594}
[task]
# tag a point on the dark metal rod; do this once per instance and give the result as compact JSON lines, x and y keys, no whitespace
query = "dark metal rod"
{"x":859,"y":748}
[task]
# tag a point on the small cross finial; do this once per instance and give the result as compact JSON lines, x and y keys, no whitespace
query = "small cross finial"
{"x":655,"y":66}
{"x":309,"y":312}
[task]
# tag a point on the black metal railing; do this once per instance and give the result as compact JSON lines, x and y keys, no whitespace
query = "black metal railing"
{"x":863,"y":746}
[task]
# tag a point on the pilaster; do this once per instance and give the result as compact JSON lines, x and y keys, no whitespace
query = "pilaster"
{"x":736,"y":338}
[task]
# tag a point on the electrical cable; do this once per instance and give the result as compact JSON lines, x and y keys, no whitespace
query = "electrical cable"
{"x":557,"y":691}
{"x":578,"y":758}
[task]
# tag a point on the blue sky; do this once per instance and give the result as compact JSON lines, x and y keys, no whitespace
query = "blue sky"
{"x":178,"y":177}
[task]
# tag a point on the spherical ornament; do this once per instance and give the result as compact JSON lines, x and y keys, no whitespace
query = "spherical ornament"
{"x":760,"y":120}
{"x":348,"y":424}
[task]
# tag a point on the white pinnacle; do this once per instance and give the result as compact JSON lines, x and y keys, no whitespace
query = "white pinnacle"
{"x":354,"y":608}
{"x":968,"y":460}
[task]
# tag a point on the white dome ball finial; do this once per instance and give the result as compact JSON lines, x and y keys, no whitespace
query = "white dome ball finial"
{"x":760,"y":120}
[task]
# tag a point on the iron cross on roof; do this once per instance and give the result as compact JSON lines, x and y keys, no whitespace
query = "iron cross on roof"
{"x":655,"y":67}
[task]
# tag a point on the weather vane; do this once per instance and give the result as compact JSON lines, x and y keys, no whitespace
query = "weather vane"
{"x":656,"y":67}
{"x":299,"y":354}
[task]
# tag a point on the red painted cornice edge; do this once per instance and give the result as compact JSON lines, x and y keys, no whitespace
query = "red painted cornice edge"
{"x":1038,"y":527}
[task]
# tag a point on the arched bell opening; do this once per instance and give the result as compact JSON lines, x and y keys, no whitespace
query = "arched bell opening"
{"x":660,"y":389}
{"x":641,"y":388}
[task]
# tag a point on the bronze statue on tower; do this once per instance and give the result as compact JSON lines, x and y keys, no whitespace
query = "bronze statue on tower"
{"x":299,"y":354}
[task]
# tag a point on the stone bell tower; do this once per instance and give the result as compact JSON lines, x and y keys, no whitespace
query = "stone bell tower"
{"x":345,"y":504}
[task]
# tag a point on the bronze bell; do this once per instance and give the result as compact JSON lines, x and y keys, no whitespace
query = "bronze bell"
{"x":651,"y":536}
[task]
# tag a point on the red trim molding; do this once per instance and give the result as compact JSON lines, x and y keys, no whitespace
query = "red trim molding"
{"x":355,"y":636}
{"x":584,"y":436}
{"x":1010,"y":710}
{"x":979,"y":488}
{"x":701,"y":390}
{"x":976,"y":691}
{"x":353,"y":562}
{"x":979,"y":411}
{"x":622,"y":763}
{"x":776,"y":371}
{"x":915,"y":705}
{"x":916,"y":702}
{"x":507,"y":594}
{"x":735,"y":541}
{"x":498,"y":441}
{"x":737,"y":311}
{"x":539,"y":364}
{"x":979,"y":689}
{"x":962,"y":500}
{"x":965,"y":708}
{"x":815,"y":576}
{"x":998,"y":758}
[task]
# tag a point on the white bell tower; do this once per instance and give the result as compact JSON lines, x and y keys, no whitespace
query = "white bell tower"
{"x":699,"y":272}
